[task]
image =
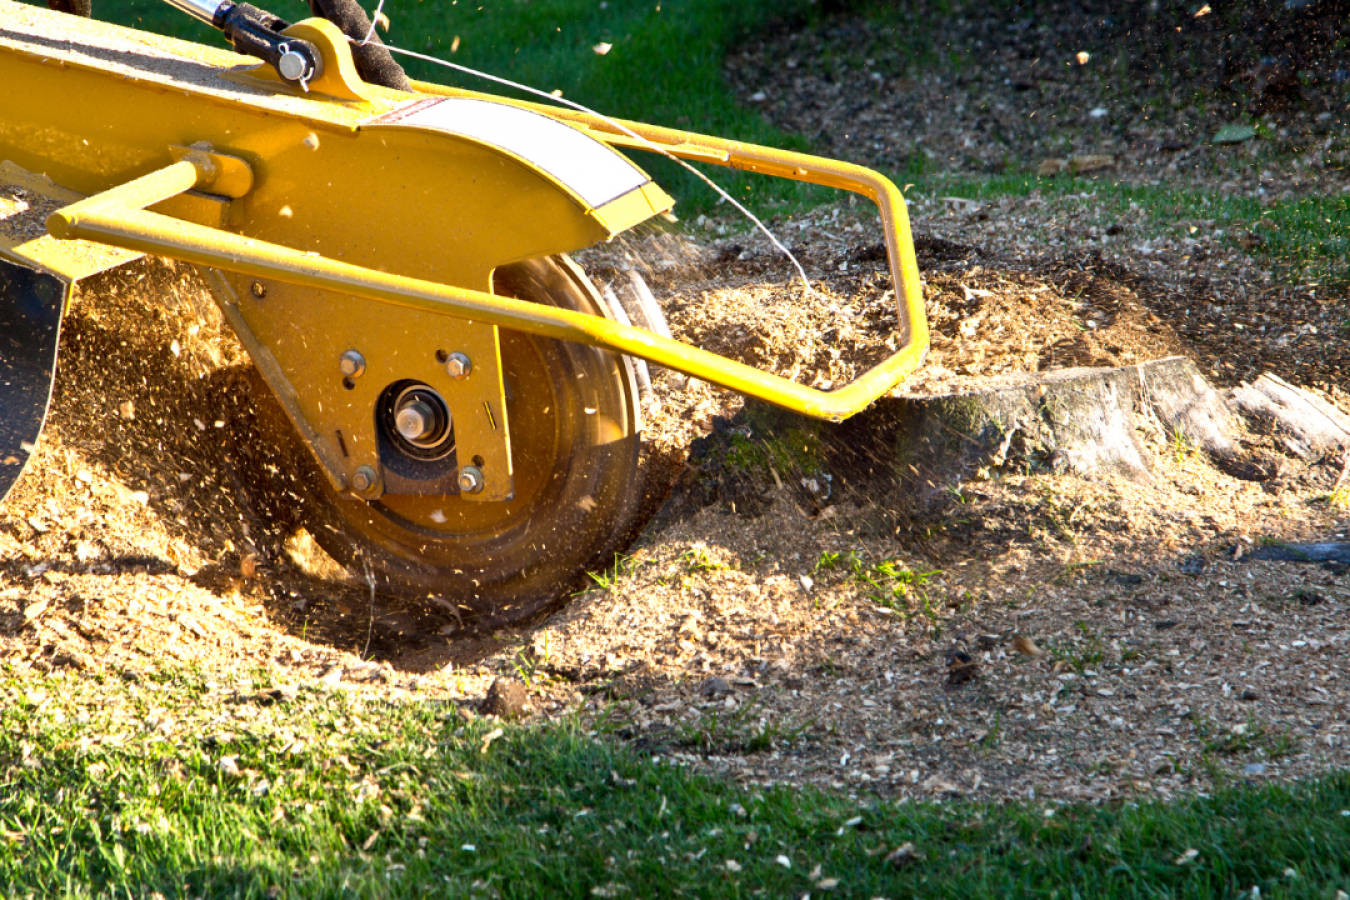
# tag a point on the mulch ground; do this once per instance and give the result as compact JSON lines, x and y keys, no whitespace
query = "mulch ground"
{"x":1052,"y":636}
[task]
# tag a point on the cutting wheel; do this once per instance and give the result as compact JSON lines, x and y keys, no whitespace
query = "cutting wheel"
{"x":574,"y":439}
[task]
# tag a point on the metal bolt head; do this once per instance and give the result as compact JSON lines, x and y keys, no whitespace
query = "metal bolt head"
{"x":363,"y":479}
{"x":470,"y":480}
{"x":416,"y":420}
{"x":457,"y":365}
{"x":292,"y":66}
{"x":258,"y":289}
{"x":352,"y":364}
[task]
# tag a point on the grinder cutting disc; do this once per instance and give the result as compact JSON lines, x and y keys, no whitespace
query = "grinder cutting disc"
{"x":31,"y":304}
{"x":575,"y":441}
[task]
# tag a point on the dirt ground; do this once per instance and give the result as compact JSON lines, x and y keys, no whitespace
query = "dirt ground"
{"x":1028,"y":634}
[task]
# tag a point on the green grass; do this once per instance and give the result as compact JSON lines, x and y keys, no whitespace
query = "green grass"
{"x":173,"y":786}
{"x":887,"y":583}
{"x":1085,"y":651}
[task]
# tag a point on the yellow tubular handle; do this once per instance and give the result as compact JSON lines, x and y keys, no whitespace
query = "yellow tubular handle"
{"x":782,"y":164}
{"x":116,"y":217}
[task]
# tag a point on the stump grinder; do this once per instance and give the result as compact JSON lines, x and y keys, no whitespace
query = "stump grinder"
{"x":465,"y":398}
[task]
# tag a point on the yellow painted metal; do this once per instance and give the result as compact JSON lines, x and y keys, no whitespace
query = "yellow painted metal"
{"x":397,"y":229}
{"x":344,"y":436}
{"x":339,"y":78}
{"x":150,"y":232}
{"x":633,"y":208}
{"x":227,"y":176}
{"x":102,"y":108}
{"x":27,"y":197}
{"x":913,"y":339}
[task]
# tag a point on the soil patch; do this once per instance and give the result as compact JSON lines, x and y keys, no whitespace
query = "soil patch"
{"x":992,"y":88}
{"x":809,"y":642}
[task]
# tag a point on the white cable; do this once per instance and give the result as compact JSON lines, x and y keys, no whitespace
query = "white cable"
{"x":806,"y":283}
{"x":373,"y":20}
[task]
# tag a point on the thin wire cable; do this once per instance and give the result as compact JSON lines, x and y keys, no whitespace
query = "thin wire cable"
{"x":379,"y":8}
{"x":806,"y":282}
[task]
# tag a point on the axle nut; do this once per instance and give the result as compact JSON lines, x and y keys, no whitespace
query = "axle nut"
{"x":416,"y":421}
{"x":363,"y":479}
{"x":457,"y":365}
{"x":470,"y":480}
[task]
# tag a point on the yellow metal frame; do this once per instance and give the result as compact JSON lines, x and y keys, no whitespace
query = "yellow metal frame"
{"x":269,"y":143}
{"x":118,"y":217}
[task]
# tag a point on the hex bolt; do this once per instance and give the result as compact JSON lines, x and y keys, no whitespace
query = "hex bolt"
{"x":457,"y":365}
{"x":258,"y":289}
{"x":352,"y":364}
{"x":470,"y":480}
{"x":363,"y":479}
{"x":415,"y":421}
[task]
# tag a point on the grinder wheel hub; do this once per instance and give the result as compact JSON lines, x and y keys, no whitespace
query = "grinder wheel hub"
{"x":575,"y":444}
{"x":418,"y":420}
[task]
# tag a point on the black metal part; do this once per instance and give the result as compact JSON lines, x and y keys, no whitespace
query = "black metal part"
{"x":31,"y":305}
{"x":256,"y":32}
{"x":373,"y":61}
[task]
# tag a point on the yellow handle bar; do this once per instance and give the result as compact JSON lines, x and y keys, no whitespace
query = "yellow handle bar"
{"x":118,"y":217}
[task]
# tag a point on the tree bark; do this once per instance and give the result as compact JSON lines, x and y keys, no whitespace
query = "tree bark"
{"x":1080,"y":420}
{"x":1307,"y":426}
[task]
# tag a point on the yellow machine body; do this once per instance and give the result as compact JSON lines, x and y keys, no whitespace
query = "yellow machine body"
{"x":360,"y":239}
{"x":349,"y":180}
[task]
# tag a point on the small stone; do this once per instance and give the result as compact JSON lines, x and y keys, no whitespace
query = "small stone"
{"x":1248,"y":695}
{"x":1254,"y":769}
{"x":1193,"y":565}
{"x":506,"y":698}
{"x":903,"y":855}
{"x":714,"y":688}
{"x":1234,"y":134}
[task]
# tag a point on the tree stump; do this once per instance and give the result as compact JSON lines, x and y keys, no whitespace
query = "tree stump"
{"x":1079,"y":421}
{"x":1307,"y":426}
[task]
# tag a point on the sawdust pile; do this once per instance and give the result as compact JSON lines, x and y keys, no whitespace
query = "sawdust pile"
{"x":155,"y":529}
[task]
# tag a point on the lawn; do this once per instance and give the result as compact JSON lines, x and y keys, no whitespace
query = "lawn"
{"x":177,"y":786}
